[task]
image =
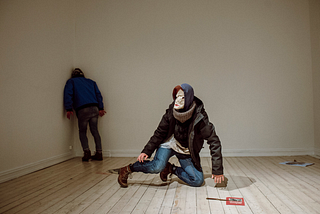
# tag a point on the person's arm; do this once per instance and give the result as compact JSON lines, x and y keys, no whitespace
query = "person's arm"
{"x":215,"y":151}
{"x":100,"y":100}
{"x":209,"y":134}
{"x":98,"y":96}
{"x":68,"y":98}
{"x":159,"y":135}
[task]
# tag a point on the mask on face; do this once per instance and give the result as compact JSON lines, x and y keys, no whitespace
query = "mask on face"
{"x":179,"y":101}
{"x":188,"y":95}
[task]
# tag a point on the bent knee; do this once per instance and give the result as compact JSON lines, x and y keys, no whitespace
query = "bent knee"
{"x":196,"y":182}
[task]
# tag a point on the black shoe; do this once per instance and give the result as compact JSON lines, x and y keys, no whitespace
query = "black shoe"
{"x":87,"y":155}
{"x":97,"y":156}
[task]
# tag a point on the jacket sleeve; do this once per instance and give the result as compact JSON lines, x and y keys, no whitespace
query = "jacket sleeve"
{"x":68,"y":95}
{"x":160,"y":134}
{"x":209,"y":134}
{"x":98,"y":96}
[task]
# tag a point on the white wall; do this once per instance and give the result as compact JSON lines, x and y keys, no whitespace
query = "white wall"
{"x":36,"y":58}
{"x":315,"y":50}
{"x":249,"y":61}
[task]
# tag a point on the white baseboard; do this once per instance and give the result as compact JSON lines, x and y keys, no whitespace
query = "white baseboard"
{"x":105,"y":153}
{"x":317,"y":151}
{"x":122,"y":153}
{"x":267,"y":152}
{"x":225,"y":152}
{"x":32,"y":167}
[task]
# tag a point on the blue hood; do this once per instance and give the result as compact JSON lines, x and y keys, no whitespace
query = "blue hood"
{"x":188,"y":95}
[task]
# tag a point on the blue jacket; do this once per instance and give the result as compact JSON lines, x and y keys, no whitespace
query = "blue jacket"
{"x":80,"y":92}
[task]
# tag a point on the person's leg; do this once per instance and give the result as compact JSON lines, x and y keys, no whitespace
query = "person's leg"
{"x":156,"y":165}
{"x":188,"y":173}
{"x":83,"y":124}
{"x":93,"y":124}
{"x":83,"y":120}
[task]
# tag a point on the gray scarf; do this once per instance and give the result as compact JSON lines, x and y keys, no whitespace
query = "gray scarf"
{"x":184,"y":116}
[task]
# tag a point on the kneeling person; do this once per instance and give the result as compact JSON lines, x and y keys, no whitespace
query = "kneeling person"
{"x":181,"y":132}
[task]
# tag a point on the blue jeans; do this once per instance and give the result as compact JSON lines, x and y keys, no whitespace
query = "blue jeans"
{"x":89,"y":115}
{"x":187,"y":172}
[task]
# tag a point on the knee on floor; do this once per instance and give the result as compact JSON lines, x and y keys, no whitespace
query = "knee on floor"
{"x":196,"y":182}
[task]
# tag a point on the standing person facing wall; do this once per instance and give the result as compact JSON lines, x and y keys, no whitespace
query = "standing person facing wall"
{"x":181,"y":132}
{"x":83,"y":95}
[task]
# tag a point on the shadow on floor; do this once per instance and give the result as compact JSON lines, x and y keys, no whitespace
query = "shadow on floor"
{"x":245,"y":181}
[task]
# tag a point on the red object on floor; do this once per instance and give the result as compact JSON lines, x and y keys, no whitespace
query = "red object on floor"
{"x":235,"y":201}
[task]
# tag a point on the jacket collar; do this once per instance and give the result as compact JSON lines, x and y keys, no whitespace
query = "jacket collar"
{"x":198,"y":115}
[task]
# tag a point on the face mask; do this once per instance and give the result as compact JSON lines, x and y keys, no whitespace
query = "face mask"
{"x":179,"y":102}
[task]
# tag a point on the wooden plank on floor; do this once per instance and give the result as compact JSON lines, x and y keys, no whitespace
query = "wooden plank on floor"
{"x":134,"y":200}
{"x":295,"y":183}
{"x":67,"y":193}
{"x":21,"y":187}
{"x":76,"y":187}
{"x":33,"y":197}
{"x":23,"y":182}
{"x":87,"y":189}
{"x":122,"y":200}
{"x":257,"y":202}
{"x":232,"y":190}
{"x":212,"y":191}
{"x":179,"y":199}
{"x":277,"y":184}
{"x":158,"y":198}
{"x":149,"y":193}
{"x":90,"y":196}
{"x":108,"y":194}
{"x":273,"y":194}
{"x":168,"y":201}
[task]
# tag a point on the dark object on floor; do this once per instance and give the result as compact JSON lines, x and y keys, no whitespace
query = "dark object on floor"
{"x":296,"y":163}
{"x":87,"y":155}
{"x":230,"y":200}
{"x":223,"y":183}
{"x":167,"y":170}
{"x":97,"y":156}
{"x":123,"y":176}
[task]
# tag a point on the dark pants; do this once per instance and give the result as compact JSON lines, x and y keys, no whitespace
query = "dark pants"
{"x":89,"y":115}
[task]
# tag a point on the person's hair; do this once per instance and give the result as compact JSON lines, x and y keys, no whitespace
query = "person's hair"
{"x":175,"y":91}
{"x":77,"y":72}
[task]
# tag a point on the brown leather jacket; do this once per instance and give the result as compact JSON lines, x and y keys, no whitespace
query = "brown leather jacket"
{"x":199,"y":130}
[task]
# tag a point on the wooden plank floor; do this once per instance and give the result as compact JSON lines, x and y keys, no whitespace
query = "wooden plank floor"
{"x":77,"y":187}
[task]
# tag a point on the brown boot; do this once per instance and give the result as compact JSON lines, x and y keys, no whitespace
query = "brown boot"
{"x":97,"y":156}
{"x":87,"y":155}
{"x":168,"y":170}
{"x":123,"y":176}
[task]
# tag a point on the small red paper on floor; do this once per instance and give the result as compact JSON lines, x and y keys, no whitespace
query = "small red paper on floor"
{"x":235,"y":201}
